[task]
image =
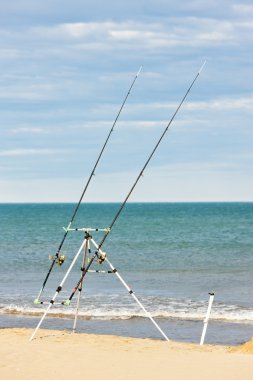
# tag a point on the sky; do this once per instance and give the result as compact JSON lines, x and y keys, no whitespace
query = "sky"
{"x":65,"y":69}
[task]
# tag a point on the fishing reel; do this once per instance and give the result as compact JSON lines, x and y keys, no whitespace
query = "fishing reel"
{"x":101,"y":258}
{"x":59,"y":260}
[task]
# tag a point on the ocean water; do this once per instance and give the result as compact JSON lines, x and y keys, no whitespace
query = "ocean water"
{"x":171,"y":255}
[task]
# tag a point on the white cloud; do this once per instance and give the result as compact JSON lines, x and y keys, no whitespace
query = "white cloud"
{"x":223,"y":103}
{"x":26,"y":152}
{"x":122,"y":124}
{"x":242,"y":103}
{"x":191,"y":31}
{"x":29,"y":130}
{"x":222,"y":165}
{"x":219,"y":104}
{"x":244,"y":9}
{"x":9,"y":54}
{"x":28,"y":91}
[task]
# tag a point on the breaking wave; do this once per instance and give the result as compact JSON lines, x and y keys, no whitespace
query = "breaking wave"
{"x":174,"y":309}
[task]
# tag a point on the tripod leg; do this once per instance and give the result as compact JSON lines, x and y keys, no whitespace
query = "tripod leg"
{"x":87,"y":245}
{"x":58,"y":289}
{"x":132,"y":293}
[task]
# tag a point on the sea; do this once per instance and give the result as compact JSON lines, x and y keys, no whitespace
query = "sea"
{"x":172,"y":255}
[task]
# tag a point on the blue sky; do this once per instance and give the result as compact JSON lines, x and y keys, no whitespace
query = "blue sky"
{"x":65,"y":70}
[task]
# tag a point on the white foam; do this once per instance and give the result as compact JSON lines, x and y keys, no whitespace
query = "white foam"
{"x":176,"y":309}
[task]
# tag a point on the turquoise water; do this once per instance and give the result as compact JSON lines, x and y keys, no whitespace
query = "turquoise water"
{"x":171,"y":255}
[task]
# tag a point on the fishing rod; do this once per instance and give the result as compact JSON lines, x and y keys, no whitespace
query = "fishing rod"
{"x":98,"y":253}
{"x":56,"y":258}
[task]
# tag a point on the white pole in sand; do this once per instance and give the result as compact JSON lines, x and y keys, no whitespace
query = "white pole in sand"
{"x":206,"y":318}
{"x":58,"y":289}
{"x":131,"y":293}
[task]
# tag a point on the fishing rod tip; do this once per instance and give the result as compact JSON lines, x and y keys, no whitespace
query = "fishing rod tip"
{"x":139,"y":71}
{"x":202,"y":67}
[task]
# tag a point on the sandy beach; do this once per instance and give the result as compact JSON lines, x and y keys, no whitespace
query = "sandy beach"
{"x":63,"y":355}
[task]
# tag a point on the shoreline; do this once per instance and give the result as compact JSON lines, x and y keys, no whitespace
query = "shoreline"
{"x":187,"y":331}
{"x":63,"y":355}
